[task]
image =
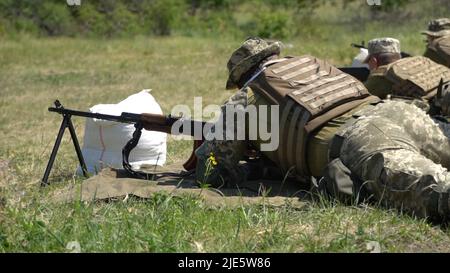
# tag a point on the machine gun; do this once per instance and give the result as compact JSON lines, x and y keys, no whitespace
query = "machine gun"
{"x":151,"y":122}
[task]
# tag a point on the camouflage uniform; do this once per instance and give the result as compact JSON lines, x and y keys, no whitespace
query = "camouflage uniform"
{"x":218,"y":160}
{"x":438,"y":48}
{"x":401,"y":161}
{"x":377,"y":84}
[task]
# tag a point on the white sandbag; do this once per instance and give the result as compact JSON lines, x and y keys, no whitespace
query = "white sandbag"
{"x":104,"y":140}
{"x":359,"y":59}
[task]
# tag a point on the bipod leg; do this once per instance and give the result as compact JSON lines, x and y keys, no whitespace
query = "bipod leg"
{"x":62,"y":128}
{"x":77,"y":147}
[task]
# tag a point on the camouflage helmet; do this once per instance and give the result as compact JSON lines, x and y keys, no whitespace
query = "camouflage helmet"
{"x":438,"y":27}
{"x":382,"y":45}
{"x":250,"y":53}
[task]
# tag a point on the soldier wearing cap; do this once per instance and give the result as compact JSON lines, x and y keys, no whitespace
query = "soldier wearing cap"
{"x":438,"y":41}
{"x":416,"y":78}
{"x":371,"y":151}
{"x":382,"y":52}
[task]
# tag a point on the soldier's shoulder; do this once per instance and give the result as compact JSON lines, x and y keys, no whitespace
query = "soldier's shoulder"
{"x":379,"y":72}
{"x":378,"y":85}
{"x":373,"y":79}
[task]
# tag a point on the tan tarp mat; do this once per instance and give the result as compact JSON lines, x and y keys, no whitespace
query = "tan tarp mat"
{"x":113,"y":184}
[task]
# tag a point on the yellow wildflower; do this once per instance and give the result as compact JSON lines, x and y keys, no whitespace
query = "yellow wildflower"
{"x":212,"y":159}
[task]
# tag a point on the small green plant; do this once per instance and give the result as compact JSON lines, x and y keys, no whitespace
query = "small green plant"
{"x":210,"y":165}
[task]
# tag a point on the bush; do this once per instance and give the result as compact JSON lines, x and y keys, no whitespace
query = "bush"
{"x":124,"y":23}
{"x":267,"y":18}
{"x":55,"y":19}
{"x":274,"y":25}
{"x":92,"y":22}
{"x":25,"y":25}
{"x":164,"y":15}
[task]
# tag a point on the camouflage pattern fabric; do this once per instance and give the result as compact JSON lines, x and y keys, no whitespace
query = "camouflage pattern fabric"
{"x":401,"y":159}
{"x":382,"y":45}
{"x":249,"y":54}
{"x":218,"y":160}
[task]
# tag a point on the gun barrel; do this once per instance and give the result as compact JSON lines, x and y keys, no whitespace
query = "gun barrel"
{"x":151,"y":122}
{"x":129,"y":118}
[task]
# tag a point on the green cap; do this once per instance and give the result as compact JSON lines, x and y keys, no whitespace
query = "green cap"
{"x":249,"y":54}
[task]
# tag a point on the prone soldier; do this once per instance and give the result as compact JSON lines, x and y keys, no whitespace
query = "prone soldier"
{"x":332,"y":129}
{"x":415,"y":78}
{"x":438,"y":41}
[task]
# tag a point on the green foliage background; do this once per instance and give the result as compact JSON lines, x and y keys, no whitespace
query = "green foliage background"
{"x":238,"y":18}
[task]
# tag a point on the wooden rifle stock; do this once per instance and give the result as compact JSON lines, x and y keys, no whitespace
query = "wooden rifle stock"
{"x":162,"y":123}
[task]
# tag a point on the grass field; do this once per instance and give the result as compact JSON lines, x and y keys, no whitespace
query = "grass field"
{"x":81,"y":73}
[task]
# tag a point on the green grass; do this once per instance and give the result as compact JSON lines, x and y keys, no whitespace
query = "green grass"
{"x":168,"y":224}
{"x":83,"y":72}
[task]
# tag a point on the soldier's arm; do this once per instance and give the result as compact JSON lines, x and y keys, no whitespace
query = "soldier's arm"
{"x":218,"y":159}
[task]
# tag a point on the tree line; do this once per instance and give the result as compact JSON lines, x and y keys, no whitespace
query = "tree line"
{"x":123,"y":18}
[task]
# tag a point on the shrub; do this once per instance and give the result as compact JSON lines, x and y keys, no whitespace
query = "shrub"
{"x":54,"y":19}
{"x":124,"y":23}
{"x":92,"y":22}
{"x":268,"y":18}
{"x":165,"y":14}
{"x":25,"y":25}
{"x":275,"y":24}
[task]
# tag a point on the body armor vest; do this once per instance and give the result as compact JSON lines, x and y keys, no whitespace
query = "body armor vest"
{"x":310,"y":92}
{"x":416,"y":77}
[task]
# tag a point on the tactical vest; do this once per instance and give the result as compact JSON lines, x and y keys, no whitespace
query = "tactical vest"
{"x":416,"y":77}
{"x":310,"y":92}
